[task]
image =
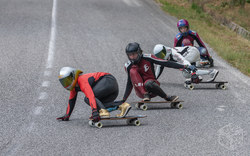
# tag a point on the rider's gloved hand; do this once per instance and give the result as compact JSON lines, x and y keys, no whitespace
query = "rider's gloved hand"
{"x":191,"y":68}
{"x":63,"y":118}
{"x":195,"y":78}
{"x":95,"y":115}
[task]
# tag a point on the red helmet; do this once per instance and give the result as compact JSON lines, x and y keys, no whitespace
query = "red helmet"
{"x":182,"y":23}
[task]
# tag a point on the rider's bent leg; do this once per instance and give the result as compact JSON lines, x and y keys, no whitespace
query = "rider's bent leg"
{"x":137,"y":82}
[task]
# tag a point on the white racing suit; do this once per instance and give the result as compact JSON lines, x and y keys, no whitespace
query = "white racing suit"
{"x":185,"y":55}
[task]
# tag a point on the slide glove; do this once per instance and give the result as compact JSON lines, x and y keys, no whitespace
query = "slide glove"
{"x":191,"y":68}
{"x":63,"y":118}
{"x":195,"y":78}
{"x":95,"y":115}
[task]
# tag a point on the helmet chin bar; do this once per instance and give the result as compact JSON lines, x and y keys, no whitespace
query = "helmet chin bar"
{"x":137,"y":60}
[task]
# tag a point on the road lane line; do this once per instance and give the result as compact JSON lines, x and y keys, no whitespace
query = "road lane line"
{"x":132,"y":3}
{"x":45,"y":84}
{"x":136,"y":3}
{"x":47,"y":73}
{"x":52,"y":37}
{"x":38,"y":110}
{"x":220,"y":109}
{"x":43,"y":95}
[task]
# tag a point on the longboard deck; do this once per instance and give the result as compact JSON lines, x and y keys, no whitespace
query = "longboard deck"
{"x":159,"y":102}
{"x":143,"y":104}
{"x":218,"y":84}
{"x":123,"y":118}
{"x":131,"y":120}
{"x":222,"y":82}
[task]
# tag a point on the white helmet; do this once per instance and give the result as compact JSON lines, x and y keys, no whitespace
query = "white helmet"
{"x":68,"y":77}
{"x":162,"y":51}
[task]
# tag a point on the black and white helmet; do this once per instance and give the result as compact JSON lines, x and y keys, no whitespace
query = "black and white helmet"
{"x":132,"y":48}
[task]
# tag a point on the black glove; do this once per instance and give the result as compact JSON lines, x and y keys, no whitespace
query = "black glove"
{"x":95,"y":115}
{"x":191,"y":68}
{"x":63,"y":118}
{"x":195,"y":78}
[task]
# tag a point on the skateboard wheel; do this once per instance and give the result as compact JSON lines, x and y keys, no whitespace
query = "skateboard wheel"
{"x":217,"y":86}
{"x":223,"y":87}
{"x":91,"y":123}
{"x":137,"y":105}
{"x":176,"y":105}
{"x":172,"y":105}
{"x":185,"y":85}
{"x":191,"y":87}
{"x":179,"y":106}
{"x":136,"y":122}
{"x":143,"y":107}
{"x":129,"y":121}
{"x":98,"y":124}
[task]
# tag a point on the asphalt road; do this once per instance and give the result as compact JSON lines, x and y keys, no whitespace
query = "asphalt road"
{"x":37,"y":38}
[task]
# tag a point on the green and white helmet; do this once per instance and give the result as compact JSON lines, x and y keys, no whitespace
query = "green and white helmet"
{"x":162,"y":51}
{"x":68,"y":77}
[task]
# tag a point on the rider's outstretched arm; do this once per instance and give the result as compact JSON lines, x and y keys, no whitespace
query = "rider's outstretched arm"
{"x":165,"y":63}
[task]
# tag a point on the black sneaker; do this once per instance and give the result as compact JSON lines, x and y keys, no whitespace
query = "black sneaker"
{"x":172,"y":98}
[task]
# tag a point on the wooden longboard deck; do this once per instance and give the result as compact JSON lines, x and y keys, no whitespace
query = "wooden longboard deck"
{"x":123,"y":118}
{"x":222,"y":82}
{"x":160,"y":101}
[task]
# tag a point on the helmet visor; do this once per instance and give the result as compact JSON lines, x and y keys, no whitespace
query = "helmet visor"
{"x":67,"y":81}
{"x":161,"y":54}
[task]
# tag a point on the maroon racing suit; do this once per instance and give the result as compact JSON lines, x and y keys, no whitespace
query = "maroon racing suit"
{"x":142,"y":73}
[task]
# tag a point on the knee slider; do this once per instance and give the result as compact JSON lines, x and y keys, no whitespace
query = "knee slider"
{"x":203,"y":51}
{"x":149,"y":85}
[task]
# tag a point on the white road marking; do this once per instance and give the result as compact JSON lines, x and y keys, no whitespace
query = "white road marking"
{"x":136,"y":3}
{"x":38,"y":110}
{"x":132,"y":3}
{"x":45,"y":83}
{"x":220,"y":109}
{"x":52,"y":37}
{"x":30,"y":127}
{"x":47,"y":73}
{"x":43,"y":95}
{"x":222,"y":106}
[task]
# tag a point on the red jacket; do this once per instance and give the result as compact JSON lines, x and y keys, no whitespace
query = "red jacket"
{"x":86,"y":82}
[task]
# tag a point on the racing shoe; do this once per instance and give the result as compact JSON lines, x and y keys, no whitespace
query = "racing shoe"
{"x":124,"y":108}
{"x":172,"y":98}
{"x":203,"y":63}
{"x":103,"y":113}
{"x":146,"y":97}
{"x":213,"y":75}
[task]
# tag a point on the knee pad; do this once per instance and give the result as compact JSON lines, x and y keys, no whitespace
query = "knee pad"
{"x":203,"y":51}
{"x":149,"y":85}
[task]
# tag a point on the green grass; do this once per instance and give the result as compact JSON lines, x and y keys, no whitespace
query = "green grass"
{"x":231,"y":47}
